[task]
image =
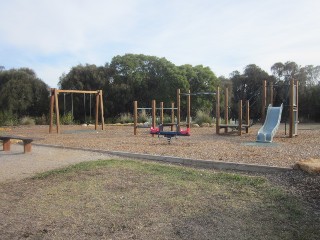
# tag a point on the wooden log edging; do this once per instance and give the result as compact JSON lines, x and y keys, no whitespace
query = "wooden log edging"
{"x":208,"y":164}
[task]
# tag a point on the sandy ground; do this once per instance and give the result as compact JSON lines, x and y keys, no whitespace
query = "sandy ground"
{"x":16,"y":165}
{"x":202,"y":144}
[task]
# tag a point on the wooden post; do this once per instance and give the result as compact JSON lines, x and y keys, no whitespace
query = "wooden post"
{"x":51,"y":109}
{"x":178,"y":110}
{"x":27,"y":147}
{"x":297,"y":107}
{"x":57,"y":110}
{"x":172,"y":115}
{"x":240,"y":118}
{"x":247,"y":115}
{"x":97,"y":111}
{"x":161,"y":112}
{"x":6,"y":144}
{"x":271,"y":94}
{"x":153,"y":103}
{"x":218,"y":111}
{"x":135,"y":117}
{"x":101,"y":109}
{"x":291,"y":114}
{"x":188,"y":109}
{"x":226,"y":108}
{"x":264,"y":99}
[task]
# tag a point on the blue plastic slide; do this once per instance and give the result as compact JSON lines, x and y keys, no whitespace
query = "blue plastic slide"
{"x":271,"y":124}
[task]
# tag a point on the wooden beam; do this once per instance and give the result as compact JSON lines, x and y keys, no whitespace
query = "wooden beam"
{"x":161,"y":112}
{"x":172,"y":115}
{"x":51,"y":109}
{"x":153,"y":104}
{"x":247,"y":115}
{"x":97,"y":112}
{"x":264,"y":100}
{"x":218,"y":111}
{"x":291,"y":114}
{"x":240,"y":118}
{"x":178,"y":109}
{"x":57,"y":110}
{"x":77,"y":91}
{"x":188,"y":109}
{"x":226,"y":108}
{"x":101,"y":109}
{"x":135,"y":117}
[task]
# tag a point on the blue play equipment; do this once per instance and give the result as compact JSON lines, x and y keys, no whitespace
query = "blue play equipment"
{"x":271,"y":124}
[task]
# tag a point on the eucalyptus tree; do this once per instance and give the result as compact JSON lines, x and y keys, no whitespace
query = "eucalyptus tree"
{"x":248,"y":86}
{"x":201,"y":79}
{"x":143,"y":78}
{"x":23,"y":93}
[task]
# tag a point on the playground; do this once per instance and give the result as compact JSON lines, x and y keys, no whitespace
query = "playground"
{"x":45,"y":196}
{"x":203,"y":143}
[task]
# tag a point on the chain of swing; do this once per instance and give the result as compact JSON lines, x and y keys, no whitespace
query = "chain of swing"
{"x":84,"y":106}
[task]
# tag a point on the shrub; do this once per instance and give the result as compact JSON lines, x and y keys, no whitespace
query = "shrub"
{"x":143,"y":116}
{"x":27,"y":121}
{"x":125,"y":118}
{"x":202,"y":117}
{"x":166,"y":118}
{"x":8,"y":119}
{"x":41,"y":120}
{"x":67,"y":119}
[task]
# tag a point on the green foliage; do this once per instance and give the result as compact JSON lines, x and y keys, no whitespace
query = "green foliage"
{"x":125,"y":118}
{"x":8,"y":119}
{"x":42,"y":120}
{"x":202,"y":117}
{"x":248,"y":86}
{"x":26,"y":120}
{"x":166,"y":118}
{"x":67,"y":119}
{"x":22,"y":93}
{"x":201,"y":79}
{"x":143,"y":116}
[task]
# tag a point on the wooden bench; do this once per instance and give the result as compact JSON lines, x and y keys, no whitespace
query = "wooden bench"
{"x":7,"y":143}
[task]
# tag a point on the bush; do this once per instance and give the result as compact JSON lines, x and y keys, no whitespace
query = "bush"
{"x":8,"y":119}
{"x":67,"y":119}
{"x":143,"y":116}
{"x":125,"y":118}
{"x":202,"y":117}
{"x":27,"y":121}
{"x":41,"y":120}
{"x":166,"y":118}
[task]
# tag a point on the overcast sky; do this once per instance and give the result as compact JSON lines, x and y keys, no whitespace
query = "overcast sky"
{"x":51,"y":36}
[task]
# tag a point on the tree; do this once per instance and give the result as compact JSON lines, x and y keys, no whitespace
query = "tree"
{"x":143,"y":78}
{"x":307,"y":77}
{"x":22,"y":93}
{"x":248,"y":86}
{"x":201,"y":79}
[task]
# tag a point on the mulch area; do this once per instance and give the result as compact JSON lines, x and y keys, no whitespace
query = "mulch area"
{"x":203,"y":143}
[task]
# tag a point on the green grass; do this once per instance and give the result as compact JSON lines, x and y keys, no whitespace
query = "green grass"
{"x":123,"y":199}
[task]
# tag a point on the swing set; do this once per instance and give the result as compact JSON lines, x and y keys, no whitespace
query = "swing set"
{"x":54,"y":105}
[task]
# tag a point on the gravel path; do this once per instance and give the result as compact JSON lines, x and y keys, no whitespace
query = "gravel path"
{"x":16,"y":165}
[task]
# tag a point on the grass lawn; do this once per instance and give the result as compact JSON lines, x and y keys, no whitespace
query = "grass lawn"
{"x":125,"y":199}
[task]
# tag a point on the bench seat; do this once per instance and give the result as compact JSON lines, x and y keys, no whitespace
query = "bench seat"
{"x":7,"y":142}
